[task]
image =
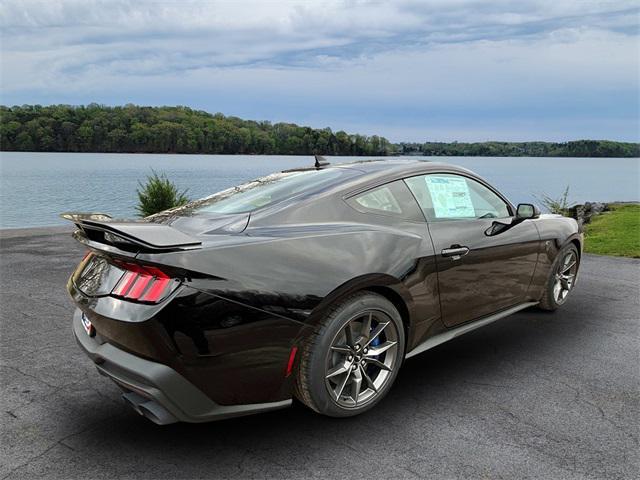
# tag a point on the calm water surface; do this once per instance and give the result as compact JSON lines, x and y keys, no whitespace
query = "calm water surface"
{"x":36,"y":187}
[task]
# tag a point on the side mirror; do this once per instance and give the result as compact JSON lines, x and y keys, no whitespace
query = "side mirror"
{"x":526,"y":211}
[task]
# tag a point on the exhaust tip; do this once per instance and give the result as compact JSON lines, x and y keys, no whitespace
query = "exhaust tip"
{"x":133,"y":400}
{"x":157,"y":413}
{"x":149,"y":409}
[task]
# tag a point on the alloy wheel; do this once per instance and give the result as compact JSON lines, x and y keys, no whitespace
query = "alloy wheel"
{"x":565,"y":277}
{"x":362,"y":357}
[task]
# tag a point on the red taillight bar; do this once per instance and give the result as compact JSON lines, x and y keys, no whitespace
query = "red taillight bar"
{"x":125,"y":284}
{"x":143,"y":284}
{"x":139,"y":286}
{"x":157,"y":290}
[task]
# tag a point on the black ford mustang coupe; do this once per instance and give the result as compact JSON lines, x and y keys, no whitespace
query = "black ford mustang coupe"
{"x":313,"y":283}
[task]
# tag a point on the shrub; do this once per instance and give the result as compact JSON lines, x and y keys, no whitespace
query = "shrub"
{"x":556,"y":205}
{"x":158,"y":194}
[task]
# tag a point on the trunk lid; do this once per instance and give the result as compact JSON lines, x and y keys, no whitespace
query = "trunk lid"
{"x":128,"y":238}
{"x":131,"y":236}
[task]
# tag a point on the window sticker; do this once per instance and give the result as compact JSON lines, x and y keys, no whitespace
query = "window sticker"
{"x":450,"y":197}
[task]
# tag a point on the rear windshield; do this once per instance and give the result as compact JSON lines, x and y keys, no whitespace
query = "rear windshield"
{"x":268,"y":190}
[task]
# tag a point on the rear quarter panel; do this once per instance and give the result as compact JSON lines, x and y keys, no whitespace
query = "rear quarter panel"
{"x":291,"y":275}
{"x":298,"y":269}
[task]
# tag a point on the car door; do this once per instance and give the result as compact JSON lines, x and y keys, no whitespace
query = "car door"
{"x":477,"y":274}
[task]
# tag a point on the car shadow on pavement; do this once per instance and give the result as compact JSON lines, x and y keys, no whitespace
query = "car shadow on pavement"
{"x":469,"y":381}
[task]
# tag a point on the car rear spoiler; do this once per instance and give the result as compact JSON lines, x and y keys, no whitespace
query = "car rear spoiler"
{"x":99,"y":228}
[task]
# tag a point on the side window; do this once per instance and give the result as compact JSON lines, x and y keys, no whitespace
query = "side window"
{"x":392,"y":199}
{"x":379,"y":199}
{"x":454,"y":197}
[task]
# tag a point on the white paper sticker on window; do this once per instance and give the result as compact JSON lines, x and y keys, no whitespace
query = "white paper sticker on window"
{"x":450,"y":197}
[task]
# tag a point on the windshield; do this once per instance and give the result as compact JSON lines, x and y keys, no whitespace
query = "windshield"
{"x":267,"y":190}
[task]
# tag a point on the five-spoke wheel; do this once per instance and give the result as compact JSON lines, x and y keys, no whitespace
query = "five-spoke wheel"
{"x":565,"y":276}
{"x":361,"y":358}
{"x":562,"y":278}
{"x":353,"y":357}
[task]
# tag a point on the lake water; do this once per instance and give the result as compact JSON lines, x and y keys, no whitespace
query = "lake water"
{"x":36,"y":187}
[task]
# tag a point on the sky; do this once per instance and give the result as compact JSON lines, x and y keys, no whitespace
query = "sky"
{"x":430,"y":70}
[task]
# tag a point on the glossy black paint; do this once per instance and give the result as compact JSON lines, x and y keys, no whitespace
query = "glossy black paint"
{"x":257,"y":283}
{"x":495,"y":274}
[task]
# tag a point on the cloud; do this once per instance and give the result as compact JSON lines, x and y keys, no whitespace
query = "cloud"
{"x":426,"y":66}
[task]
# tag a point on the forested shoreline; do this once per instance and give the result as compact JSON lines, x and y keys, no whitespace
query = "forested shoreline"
{"x":577,"y":148}
{"x":137,"y":129}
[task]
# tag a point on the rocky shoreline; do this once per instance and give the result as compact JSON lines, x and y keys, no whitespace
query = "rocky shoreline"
{"x":583,"y":213}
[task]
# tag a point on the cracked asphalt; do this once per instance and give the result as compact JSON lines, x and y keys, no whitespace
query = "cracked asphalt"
{"x":536,"y":395}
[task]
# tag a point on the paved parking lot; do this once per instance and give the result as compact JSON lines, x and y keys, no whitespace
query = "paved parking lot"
{"x":534,"y":396}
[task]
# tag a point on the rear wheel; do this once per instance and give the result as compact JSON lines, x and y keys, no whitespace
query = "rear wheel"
{"x":562,"y":278}
{"x":350,"y":362}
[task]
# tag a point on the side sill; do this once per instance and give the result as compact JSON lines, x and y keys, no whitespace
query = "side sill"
{"x":467,"y":327}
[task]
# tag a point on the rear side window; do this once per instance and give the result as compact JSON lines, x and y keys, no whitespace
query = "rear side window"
{"x":454,"y":197}
{"x":393,"y":199}
{"x":380,"y":199}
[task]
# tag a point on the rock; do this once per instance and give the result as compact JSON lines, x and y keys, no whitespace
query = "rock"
{"x":584,"y":213}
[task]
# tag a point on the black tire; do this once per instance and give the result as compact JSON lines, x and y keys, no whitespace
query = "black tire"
{"x":317,"y":354}
{"x":549,"y":301}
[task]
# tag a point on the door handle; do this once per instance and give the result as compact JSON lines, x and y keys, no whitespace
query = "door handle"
{"x":455,"y":251}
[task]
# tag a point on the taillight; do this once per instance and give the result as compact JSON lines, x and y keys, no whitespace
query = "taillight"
{"x":142,"y":284}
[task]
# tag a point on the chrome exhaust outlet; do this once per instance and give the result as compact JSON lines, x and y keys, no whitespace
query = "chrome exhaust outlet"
{"x":134,"y":400}
{"x":149,"y":409}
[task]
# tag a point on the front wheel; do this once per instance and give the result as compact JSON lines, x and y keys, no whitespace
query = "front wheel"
{"x":562,"y":278}
{"x":350,"y":362}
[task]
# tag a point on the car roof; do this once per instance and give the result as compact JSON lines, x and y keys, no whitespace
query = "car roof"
{"x":394,"y":165}
{"x":391,"y":166}
{"x":378,"y":164}
{"x":372,"y":171}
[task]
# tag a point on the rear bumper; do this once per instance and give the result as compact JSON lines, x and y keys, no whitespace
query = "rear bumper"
{"x":156,"y":391}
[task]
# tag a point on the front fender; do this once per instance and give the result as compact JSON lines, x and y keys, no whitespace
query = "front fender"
{"x":555,"y":232}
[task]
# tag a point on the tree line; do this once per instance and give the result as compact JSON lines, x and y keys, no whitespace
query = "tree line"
{"x":136,"y":129}
{"x":577,"y":148}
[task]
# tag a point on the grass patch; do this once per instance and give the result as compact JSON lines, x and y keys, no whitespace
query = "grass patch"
{"x":616,"y":232}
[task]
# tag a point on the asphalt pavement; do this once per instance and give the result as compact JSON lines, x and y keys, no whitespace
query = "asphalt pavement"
{"x":536,"y":395}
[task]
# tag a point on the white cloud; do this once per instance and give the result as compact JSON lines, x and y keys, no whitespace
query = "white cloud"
{"x":427,"y":58}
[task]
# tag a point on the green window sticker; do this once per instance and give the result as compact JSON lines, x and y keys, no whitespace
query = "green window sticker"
{"x":450,"y":197}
